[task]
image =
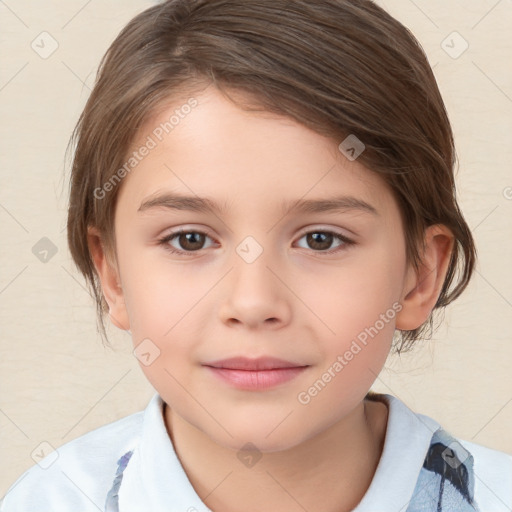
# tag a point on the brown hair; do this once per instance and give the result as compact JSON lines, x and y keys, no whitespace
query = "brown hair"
{"x":338,"y":67}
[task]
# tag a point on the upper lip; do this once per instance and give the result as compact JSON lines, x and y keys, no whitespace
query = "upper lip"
{"x":260,"y":363}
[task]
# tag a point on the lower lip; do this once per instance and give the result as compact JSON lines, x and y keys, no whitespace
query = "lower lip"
{"x":257,"y":379}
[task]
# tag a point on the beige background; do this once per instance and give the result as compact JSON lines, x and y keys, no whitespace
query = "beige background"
{"x":57,"y":381}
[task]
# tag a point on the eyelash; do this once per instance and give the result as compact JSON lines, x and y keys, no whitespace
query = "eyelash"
{"x":166,"y":239}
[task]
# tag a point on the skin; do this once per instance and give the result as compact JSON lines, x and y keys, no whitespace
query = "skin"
{"x":295,"y":302}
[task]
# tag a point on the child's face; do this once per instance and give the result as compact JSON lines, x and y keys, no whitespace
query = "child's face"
{"x":304,"y":299}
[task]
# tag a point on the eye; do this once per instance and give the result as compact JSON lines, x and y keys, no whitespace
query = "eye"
{"x":190,"y":241}
{"x":321,"y":241}
{"x":193,"y":241}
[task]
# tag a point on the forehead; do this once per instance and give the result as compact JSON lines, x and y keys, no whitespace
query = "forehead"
{"x":205,"y":145}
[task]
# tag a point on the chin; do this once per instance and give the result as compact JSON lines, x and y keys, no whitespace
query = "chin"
{"x":267,"y":436}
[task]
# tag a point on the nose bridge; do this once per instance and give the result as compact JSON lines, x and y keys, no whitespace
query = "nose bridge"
{"x":254,"y":293}
{"x":251,"y":264}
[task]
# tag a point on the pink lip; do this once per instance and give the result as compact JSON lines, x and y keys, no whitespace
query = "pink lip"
{"x":255,"y":374}
{"x":260,"y":363}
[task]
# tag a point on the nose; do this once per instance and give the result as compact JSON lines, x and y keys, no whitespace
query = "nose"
{"x":255,"y":295}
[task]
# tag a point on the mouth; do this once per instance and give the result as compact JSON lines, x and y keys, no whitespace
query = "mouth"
{"x":260,"y":363}
{"x":255,"y":374}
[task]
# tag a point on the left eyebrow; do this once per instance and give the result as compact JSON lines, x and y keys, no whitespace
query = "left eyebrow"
{"x":176,"y":201}
{"x":340,"y":203}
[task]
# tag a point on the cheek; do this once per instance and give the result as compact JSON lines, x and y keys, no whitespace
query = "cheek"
{"x":354,"y":295}
{"x":362,"y":315}
{"x":159,"y":294}
{"x":166,"y":305}
{"x":359,"y":306}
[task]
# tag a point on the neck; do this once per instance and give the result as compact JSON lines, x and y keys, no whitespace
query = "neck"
{"x":329,"y":472}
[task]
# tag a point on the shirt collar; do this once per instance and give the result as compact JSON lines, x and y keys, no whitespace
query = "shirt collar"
{"x":408,"y":436}
{"x":155,"y":480}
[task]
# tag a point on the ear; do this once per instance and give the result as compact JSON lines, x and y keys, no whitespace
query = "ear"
{"x":110,"y":282}
{"x":423,"y":286}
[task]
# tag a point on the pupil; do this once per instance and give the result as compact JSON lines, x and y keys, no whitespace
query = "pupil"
{"x":315,"y":240}
{"x":190,"y":240}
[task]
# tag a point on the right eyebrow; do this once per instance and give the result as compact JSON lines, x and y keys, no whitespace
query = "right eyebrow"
{"x":175,"y":201}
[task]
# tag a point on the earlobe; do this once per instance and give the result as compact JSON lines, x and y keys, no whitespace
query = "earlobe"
{"x":423,"y":286}
{"x":109,"y":278}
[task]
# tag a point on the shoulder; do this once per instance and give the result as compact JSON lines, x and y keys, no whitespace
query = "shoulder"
{"x":425,"y":448}
{"x":479,"y":473}
{"x":488,"y":458}
{"x":493,"y":477}
{"x":78,"y":474}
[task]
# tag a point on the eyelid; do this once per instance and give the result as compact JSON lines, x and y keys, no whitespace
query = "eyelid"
{"x":302,"y":232}
{"x":187,"y":229}
{"x":323,"y":229}
{"x":174,"y":233}
{"x":346,"y":242}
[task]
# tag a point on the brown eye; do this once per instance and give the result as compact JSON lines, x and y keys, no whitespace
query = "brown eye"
{"x":191,"y":241}
{"x":321,"y":241}
{"x":184,"y":241}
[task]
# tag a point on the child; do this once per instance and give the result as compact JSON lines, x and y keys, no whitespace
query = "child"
{"x":305,"y":148}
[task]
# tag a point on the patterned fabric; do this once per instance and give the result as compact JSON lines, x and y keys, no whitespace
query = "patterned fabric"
{"x":112,"y":501}
{"x":445,"y":482}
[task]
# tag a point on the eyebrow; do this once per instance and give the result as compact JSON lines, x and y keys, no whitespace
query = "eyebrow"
{"x":175,"y":201}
